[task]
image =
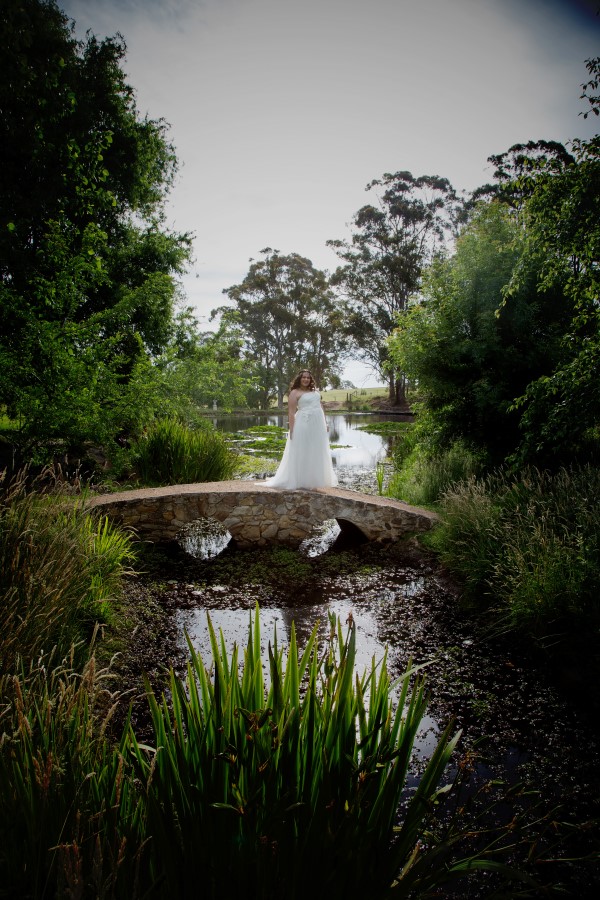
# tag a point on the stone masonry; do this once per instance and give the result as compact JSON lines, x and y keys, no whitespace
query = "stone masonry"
{"x":257,"y":515}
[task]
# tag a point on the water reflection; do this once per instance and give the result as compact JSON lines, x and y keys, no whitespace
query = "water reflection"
{"x":234,"y":622}
{"x":204,"y":538}
{"x":359,"y":448}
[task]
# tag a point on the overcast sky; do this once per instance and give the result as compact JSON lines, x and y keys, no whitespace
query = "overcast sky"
{"x":281,"y":111}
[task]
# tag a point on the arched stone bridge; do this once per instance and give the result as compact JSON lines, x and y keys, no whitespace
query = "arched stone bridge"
{"x":258,"y":515}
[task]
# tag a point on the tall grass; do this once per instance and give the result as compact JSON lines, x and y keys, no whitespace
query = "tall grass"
{"x":530,"y":545}
{"x":67,"y":807}
{"x":172,"y":453}
{"x":421,"y":479}
{"x":263,"y":787}
{"x":59,"y":569}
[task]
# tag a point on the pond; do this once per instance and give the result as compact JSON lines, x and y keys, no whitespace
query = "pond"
{"x":517,"y":727}
{"x":355,"y":452}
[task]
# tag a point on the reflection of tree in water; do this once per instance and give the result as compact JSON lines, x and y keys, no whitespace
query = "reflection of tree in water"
{"x":334,"y":431}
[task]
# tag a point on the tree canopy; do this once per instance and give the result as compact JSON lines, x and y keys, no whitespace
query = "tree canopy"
{"x":383,"y":261}
{"x":505,"y":344}
{"x":87,"y":269}
{"x":288,"y":318}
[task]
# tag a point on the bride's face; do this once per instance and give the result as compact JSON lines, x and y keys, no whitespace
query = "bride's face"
{"x":305,"y":380}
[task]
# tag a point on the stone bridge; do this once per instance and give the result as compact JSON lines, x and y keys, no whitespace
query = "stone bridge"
{"x":257,"y":515}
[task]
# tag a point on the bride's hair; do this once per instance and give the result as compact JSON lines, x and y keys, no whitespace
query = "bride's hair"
{"x":296,"y":383}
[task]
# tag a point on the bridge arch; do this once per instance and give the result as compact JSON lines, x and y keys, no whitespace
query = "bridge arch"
{"x":258,"y":515}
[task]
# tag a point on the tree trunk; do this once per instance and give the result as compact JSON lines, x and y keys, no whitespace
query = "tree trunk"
{"x":392,"y":389}
{"x":400,"y":398}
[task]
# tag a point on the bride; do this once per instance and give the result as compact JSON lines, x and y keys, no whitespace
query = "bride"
{"x":306,"y":460}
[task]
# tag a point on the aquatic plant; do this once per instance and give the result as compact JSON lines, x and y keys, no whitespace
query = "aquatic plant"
{"x":172,"y":453}
{"x":379,"y":476}
{"x":278,"y":784}
{"x":529,"y":545}
{"x":286,"y":784}
{"x":422,"y":478}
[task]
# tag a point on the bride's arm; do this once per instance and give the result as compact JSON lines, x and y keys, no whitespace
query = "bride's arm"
{"x":324,"y":417}
{"x":292,"y":407}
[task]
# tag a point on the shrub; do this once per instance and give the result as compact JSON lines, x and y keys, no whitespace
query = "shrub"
{"x":59,"y":569}
{"x":172,"y":453}
{"x":532,"y":544}
{"x":422,"y":479}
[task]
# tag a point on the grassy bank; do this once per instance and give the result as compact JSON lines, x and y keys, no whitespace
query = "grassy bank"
{"x":526,"y":546}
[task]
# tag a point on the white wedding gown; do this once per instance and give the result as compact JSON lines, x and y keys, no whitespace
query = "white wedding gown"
{"x":306,"y":460}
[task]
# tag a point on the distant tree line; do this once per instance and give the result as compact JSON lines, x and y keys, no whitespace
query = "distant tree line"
{"x":486,"y":305}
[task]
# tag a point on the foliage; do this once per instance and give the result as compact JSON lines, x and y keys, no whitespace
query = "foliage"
{"x":472,"y":351}
{"x":67,"y":804}
{"x":87,"y":271}
{"x":290,"y":783}
{"x":560,"y":411}
{"x":287,"y":317}
{"x":593,"y":67}
{"x":199,"y":370}
{"x":172,"y":453}
{"x":506,"y":343}
{"x":527,"y":546}
{"x":268,"y":440}
{"x":251,"y":781}
{"x":422,"y":477}
{"x":59,"y":570}
{"x":251,"y":466}
{"x":384,"y":260}
{"x":386,"y":429}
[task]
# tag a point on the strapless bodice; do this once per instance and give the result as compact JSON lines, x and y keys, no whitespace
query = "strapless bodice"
{"x":309,"y":401}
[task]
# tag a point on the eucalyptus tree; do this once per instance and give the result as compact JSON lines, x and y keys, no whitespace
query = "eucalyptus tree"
{"x":287,"y":313}
{"x":87,"y":269}
{"x":393,"y":240}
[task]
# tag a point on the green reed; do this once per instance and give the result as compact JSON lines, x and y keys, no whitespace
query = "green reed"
{"x":172,"y":453}
{"x":288,"y":782}
{"x":380,"y":476}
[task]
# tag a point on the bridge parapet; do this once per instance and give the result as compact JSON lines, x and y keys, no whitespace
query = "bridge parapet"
{"x":257,"y":515}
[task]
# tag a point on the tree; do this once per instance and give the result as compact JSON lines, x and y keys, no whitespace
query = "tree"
{"x":87,"y":272}
{"x":202,"y":369}
{"x":560,"y":411}
{"x":385,"y":257}
{"x":289,"y":320}
{"x":472,"y":347}
{"x":528,"y":364}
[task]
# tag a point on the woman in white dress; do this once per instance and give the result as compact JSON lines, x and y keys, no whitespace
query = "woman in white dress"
{"x":306,"y":460}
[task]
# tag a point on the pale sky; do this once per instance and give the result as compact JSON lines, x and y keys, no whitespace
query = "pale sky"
{"x":281,"y":111}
